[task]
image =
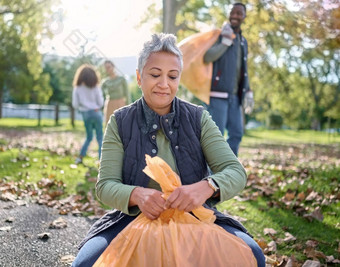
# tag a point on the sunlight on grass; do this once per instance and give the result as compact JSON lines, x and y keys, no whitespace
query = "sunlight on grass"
{"x":33,"y":165}
{"x":289,"y":136}
{"x":45,"y":124}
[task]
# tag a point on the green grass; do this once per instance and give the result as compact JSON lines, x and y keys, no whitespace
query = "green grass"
{"x":33,"y":165}
{"x":259,"y":216}
{"x":45,"y":124}
{"x":289,"y":136}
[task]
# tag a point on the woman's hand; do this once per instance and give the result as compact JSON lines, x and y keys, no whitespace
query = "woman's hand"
{"x":149,"y":201}
{"x":189,"y":197}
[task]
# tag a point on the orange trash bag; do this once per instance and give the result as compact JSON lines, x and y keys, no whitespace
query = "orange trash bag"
{"x":196,"y":75}
{"x":176,"y":238}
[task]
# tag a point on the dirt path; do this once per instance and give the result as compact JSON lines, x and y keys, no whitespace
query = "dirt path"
{"x":20,"y":242}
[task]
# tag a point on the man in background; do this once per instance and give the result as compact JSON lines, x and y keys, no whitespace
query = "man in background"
{"x":230,"y":84}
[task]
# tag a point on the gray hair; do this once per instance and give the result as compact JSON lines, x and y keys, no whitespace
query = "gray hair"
{"x":160,"y":42}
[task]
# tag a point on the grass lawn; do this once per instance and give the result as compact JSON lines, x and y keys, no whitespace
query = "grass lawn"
{"x":46,"y":125}
{"x":32,"y":165}
{"x":255,"y":136}
{"x":292,"y":197}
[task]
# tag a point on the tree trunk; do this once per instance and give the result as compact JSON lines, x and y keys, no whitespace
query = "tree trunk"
{"x":169,"y":16}
{"x":39,"y":116}
{"x":56,"y":114}
{"x":1,"y":93}
{"x":170,"y":9}
{"x":316,"y":125}
{"x":72,"y":116}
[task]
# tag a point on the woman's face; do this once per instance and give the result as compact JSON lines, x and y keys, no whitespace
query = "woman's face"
{"x":109,"y":68}
{"x":159,"y":81}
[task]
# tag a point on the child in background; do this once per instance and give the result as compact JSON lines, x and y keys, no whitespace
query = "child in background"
{"x":87,"y":97}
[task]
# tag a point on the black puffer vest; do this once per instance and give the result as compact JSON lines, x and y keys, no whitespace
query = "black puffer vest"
{"x":182,"y":127}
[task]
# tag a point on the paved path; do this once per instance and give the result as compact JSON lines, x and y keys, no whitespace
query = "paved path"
{"x":20,"y":244}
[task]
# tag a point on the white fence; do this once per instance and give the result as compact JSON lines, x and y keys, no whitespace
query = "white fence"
{"x":31,"y":111}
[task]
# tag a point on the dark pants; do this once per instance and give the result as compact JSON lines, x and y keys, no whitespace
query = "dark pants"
{"x":93,"y":248}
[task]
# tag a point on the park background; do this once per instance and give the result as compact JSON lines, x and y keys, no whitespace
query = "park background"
{"x":291,"y":148}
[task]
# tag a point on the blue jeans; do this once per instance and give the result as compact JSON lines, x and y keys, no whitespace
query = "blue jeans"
{"x":93,"y":120}
{"x":227,"y":114}
{"x":257,"y":251}
{"x":93,"y":248}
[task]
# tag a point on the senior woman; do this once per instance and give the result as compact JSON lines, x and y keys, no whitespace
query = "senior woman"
{"x":182,"y":134}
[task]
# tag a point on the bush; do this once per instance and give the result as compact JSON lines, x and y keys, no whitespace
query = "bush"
{"x":274,"y":120}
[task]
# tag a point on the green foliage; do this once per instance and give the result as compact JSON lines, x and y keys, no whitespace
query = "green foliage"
{"x":135,"y":91}
{"x":21,"y":27}
{"x":275,"y":120}
{"x":293,"y":54}
{"x":62,"y":71}
{"x":61,"y":76}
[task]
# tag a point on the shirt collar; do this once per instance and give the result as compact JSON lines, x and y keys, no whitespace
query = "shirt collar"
{"x":151,"y":118}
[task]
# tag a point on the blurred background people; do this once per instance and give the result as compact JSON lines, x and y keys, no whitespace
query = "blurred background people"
{"x":87,"y":97}
{"x":115,"y":89}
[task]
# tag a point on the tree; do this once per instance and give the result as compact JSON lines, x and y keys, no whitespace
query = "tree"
{"x":293,"y":53}
{"x":61,"y":72}
{"x":21,"y":26}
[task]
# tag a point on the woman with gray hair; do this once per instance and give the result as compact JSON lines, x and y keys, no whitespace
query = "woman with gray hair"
{"x":183,"y":135}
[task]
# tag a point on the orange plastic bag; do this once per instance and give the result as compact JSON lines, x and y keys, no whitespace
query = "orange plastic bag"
{"x":196,"y":75}
{"x":176,"y":238}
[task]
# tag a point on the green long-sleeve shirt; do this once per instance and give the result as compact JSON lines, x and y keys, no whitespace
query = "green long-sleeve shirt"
{"x":228,"y":171}
{"x":116,"y":88}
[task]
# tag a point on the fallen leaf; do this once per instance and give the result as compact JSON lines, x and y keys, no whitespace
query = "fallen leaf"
{"x":73,"y":166}
{"x":8,"y":196}
{"x":58,"y":224}
{"x":316,"y":214}
{"x":10,"y":219}
{"x":330,"y":258}
{"x":271,"y":260}
{"x":289,"y":196}
{"x":272,"y":246}
{"x":242,"y":208}
{"x":21,"y":202}
{"x":301,"y":196}
{"x":67,"y":259}
{"x":312,"y":243}
{"x":314,"y":254}
{"x":292,"y":262}
{"x":5,"y":228}
{"x":44,"y":236}
{"x":310,"y":263}
{"x":262,"y":243}
{"x":269,"y":231}
{"x":312,"y":196}
{"x":289,"y":237}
